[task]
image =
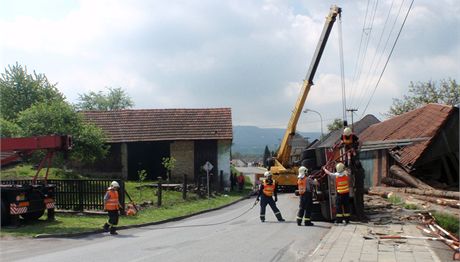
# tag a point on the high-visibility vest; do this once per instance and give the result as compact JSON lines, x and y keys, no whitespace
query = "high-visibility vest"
{"x":347,"y":140}
{"x":302,"y":185}
{"x":341,"y":184}
{"x":269,"y":190}
{"x":112,"y":202}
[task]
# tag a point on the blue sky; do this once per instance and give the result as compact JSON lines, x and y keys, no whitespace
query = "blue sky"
{"x":250,"y":55}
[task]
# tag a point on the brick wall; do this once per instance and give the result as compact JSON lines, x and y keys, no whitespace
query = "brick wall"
{"x":182,"y":151}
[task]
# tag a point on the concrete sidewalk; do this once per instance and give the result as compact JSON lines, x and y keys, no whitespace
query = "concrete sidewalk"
{"x":360,"y":242}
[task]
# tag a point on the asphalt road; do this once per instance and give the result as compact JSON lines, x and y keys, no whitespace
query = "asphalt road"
{"x":234,"y":233}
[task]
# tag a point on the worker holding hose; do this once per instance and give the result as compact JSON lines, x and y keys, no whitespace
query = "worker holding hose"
{"x":268,"y":191}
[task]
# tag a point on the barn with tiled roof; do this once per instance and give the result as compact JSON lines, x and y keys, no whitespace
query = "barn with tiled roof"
{"x":140,"y":139}
{"x":424,"y":142}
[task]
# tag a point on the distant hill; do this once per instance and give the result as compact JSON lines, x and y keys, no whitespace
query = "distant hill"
{"x":252,"y":140}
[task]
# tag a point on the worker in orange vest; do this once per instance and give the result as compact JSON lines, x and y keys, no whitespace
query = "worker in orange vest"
{"x":267,"y":191}
{"x":111,"y":205}
{"x":342,"y":189}
{"x":240,"y":180}
{"x":349,"y":141}
{"x":305,"y":189}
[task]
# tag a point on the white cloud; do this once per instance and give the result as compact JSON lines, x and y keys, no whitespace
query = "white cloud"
{"x":248,"y":55}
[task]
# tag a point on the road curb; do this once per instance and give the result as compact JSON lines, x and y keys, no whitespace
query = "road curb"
{"x":97,"y":231}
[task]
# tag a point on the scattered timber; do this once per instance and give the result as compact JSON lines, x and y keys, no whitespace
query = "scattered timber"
{"x":401,"y":174}
{"x":440,"y":201}
{"x":393,"y":182}
{"x":431,"y":193}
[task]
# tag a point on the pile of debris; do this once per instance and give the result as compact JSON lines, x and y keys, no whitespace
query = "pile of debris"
{"x":380,"y":211}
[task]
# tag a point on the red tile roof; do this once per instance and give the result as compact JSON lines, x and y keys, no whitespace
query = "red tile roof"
{"x":424,"y":122}
{"x":163,"y":124}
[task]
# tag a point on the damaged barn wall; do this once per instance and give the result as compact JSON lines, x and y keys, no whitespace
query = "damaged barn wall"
{"x":182,"y":151}
{"x":376,"y":166}
{"x":440,"y":162}
{"x":223,"y":160}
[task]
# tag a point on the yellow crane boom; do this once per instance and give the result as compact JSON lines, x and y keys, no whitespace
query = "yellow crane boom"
{"x":281,"y":166}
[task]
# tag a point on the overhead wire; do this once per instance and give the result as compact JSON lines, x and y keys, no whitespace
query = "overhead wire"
{"x":342,"y":71}
{"x":389,"y":56}
{"x":370,"y":29}
{"x":373,"y":69}
{"x":359,"y":53}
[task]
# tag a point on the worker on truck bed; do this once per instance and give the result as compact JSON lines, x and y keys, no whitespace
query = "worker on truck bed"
{"x":267,"y":191}
{"x":305,"y":192}
{"x":349,"y":141}
{"x":111,"y":205}
{"x":342,"y":189}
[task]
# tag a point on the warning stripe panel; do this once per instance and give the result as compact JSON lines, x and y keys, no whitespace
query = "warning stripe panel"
{"x":16,"y":210}
{"x":49,"y":205}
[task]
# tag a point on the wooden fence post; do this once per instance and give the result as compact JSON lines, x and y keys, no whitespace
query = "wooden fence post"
{"x":221,"y":181}
{"x":80,"y":195}
{"x":184,"y":187}
{"x":159,"y":191}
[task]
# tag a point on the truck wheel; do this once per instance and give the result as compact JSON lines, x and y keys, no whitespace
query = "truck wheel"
{"x":33,"y":215}
{"x":5,"y":214}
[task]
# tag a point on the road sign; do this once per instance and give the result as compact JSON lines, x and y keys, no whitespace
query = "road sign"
{"x":208,"y":166}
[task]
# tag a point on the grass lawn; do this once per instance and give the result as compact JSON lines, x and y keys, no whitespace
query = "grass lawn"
{"x":172,"y":206}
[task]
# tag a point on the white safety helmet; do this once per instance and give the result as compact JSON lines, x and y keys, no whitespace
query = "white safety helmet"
{"x":347,"y":131}
{"x":267,"y":174}
{"x":115,"y":184}
{"x":340,"y":167}
{"x":302,"y":172}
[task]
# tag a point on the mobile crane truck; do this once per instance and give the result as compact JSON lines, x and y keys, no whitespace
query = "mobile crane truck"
{"x":29,"y":200}
{"x":285,"y":172}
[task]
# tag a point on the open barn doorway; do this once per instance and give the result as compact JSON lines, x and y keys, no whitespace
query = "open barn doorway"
{"x":147,"y":156}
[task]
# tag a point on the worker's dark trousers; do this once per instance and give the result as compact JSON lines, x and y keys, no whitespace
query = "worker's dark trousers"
{"x":305,"y":206}
{"x":343,"y":207}
{"x":264,"y":201}
{"x":112,"y":221}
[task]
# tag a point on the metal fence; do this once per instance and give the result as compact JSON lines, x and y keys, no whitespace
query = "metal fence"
{"x":78,"y":195}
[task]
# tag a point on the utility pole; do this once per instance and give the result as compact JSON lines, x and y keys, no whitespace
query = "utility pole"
{"x":352,"y":110}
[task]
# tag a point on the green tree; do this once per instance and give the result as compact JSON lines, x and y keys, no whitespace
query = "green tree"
{"x":267,"y":155}
{"x":422,"y":93}
{"x":9,"y":129}
{"x":335,"y":125}
{"x":19,"y":90}
{"x":169,"y":163}
{"x":61,"y":118}
{"x":115,"y":99}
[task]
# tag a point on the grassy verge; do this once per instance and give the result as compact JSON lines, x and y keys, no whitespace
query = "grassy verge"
{"x":448,"y":222}
{"x":66,"y":223}
{"x":172,"y":206}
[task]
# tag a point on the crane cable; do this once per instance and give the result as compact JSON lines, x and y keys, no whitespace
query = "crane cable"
{"x":388,"y":59}
{"x":342,"y":71}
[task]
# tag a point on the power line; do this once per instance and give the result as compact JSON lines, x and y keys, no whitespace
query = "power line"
{"x":388,"y":59}
{"x":368,"y":79}
{"x":378,"y":45}
{"x":359,"y":54}
{"x":369,"y":29}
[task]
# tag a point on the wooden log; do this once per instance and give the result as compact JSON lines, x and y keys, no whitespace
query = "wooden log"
{"x":401,"y":174}
{"x":439,"y":201}
{"x":431,"y":193}
{"x":393,"y":182}
{"x":381,"y":193}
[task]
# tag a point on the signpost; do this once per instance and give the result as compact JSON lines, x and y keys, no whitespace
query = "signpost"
{"x":208,"y":167}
